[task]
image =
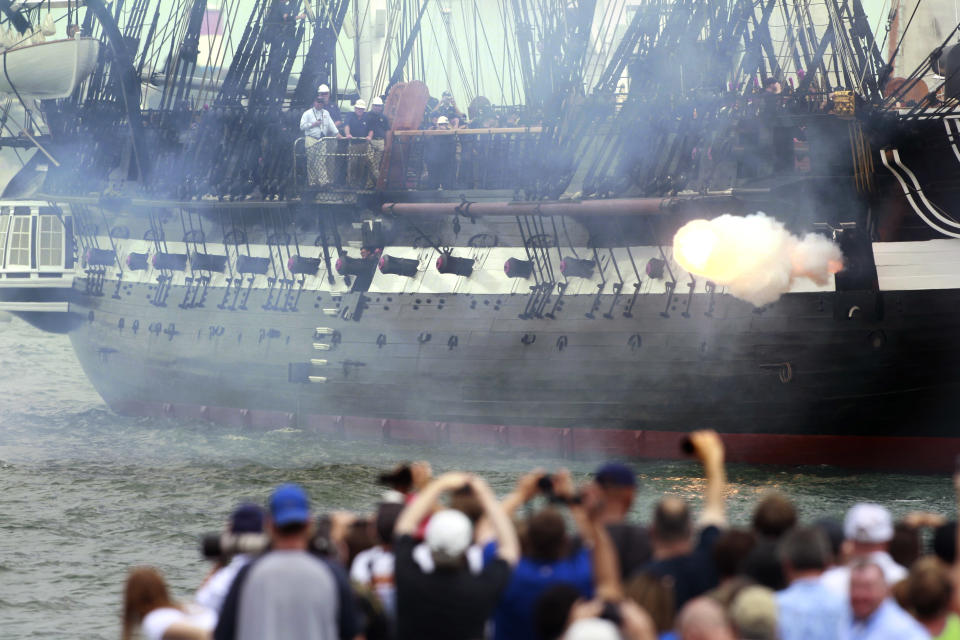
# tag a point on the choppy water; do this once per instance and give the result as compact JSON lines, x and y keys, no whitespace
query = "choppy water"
{"x":85,"y":494}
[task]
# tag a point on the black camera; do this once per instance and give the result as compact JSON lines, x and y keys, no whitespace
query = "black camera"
{"x":611,"y":612}
{"x":686,"y":445}
{"x":221,"y":545}
{"x":545,"y":485}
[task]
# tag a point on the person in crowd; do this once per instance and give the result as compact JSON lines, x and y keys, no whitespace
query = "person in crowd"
{"x":147,"y":604}
{"x":246,"y":519}
{"x":655,"y":596}
{"x":675,"y":552}
{"x":449,"y":602}
{"x":287,"y":592}
{"x":833,"y":529}
{"x":928,"y":594}
{"x":613,"y":488}
{"x":609,"y":604}
{"x":379,"y":125}
{"x":906,"y":546}
{"x":374,"y":568}
{"x":867,"y":530}
{"x":730,"y":553}
{"x":808,"y":610}
{"x":405,"y":480}
{"x":754,"y":615}
{"x":548,"y":555}
{"x":357,"y":128}
{"x":873,"y":613}
{"x":773,"y":516}
{"x":704,"y":619}
{"x":318,"y":128}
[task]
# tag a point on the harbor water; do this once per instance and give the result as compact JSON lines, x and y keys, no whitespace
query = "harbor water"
{"x":86,"y":494}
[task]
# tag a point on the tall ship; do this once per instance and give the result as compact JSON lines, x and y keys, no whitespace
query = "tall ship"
{"x":631,"y":219}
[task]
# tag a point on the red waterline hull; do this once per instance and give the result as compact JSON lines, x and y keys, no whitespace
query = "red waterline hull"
{"x":925,"y":454}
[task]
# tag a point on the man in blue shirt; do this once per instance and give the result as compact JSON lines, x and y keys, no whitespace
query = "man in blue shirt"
{"x":873,"y":613}
{"x":808,"y":610}
{"x":548,"y":557}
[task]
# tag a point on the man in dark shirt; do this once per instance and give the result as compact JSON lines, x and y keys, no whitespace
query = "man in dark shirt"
{"x":676,"y":555}
{"x":449,"y":602}
{"x":379,"y":125}
{"x":613,"y":489}
{"x":358,"y":132}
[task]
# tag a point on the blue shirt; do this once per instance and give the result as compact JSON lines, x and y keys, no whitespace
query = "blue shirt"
{"x":513,"y":618}
{"x":810,"y":611}
{"x":888,"y":622}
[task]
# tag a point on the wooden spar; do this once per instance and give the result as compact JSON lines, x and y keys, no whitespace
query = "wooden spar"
{"x":597,"y":208}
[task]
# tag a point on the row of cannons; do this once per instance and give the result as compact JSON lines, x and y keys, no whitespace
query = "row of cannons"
{"x":345,"y":265}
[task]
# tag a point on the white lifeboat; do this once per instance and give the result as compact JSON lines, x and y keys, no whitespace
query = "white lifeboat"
{"x":48,"y":70}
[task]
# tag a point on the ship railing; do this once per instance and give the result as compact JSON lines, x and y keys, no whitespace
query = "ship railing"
{"x":346,"y":163}
{"x":494,"y":158}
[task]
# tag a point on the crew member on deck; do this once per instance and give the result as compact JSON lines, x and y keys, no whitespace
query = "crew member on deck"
{"x":357,"y":129}
{"x":318,"y":128}
{"x":379,"y":125}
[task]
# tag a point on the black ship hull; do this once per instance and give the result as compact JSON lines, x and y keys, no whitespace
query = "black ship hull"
{"x":850,"y":378}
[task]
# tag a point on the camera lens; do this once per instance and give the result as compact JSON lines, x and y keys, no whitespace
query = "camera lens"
{"x":686,"y":445}
{"x":545,"y":484}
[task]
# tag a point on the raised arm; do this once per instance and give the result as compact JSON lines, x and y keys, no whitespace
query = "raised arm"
{"x":508,"y":546}
{"x":423,"y":503}
{"x":606,"y":565}
{"x":708,"y":448}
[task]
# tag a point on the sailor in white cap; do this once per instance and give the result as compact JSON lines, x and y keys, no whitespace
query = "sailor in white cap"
{"x":318,"y":129}
{"x":379,"y":126}
{"x":323,"y":92}
{"x":357,"y":129}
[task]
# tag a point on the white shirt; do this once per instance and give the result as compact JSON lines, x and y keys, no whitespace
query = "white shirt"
{"x":374,"y":568}
{"x":213,"y":592}
{"x":156,"y":623}
{"x":837,"y":579}
{"x":317,"y":123}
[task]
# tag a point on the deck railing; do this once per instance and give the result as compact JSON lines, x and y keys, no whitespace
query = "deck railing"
{"x":457,"y":159}
{"x":480,"y":159}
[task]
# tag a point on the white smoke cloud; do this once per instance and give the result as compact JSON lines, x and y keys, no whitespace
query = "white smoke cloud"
{"x":755,"y":256}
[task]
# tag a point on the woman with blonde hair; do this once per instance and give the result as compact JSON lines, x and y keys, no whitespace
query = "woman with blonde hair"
{"x":147,"y":603}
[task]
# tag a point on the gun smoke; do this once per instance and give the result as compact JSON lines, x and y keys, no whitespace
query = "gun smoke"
{"x":754,"y":256}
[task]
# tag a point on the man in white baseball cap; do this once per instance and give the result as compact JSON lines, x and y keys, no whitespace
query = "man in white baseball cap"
{"x":867,"y":531}
{"x":450,"y":601}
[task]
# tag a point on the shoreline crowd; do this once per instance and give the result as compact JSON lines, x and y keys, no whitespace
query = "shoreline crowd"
{"x":443,"y":558}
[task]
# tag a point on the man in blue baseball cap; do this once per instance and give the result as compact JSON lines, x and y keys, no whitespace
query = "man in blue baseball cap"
{"x":287,"y":592}
{"x":613,"y":488}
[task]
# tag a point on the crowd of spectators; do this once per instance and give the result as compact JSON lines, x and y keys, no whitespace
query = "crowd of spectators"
{"x":444,"y":558}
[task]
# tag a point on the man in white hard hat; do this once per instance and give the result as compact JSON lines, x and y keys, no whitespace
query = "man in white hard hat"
{"x":379,"y":125}
{"x":330,"y":104}
{"x":318,"y":129}
{"x":357,"y":129}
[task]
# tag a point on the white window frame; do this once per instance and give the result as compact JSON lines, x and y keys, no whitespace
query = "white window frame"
{"x":15,"y":233}
{"x":56,"y":232}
